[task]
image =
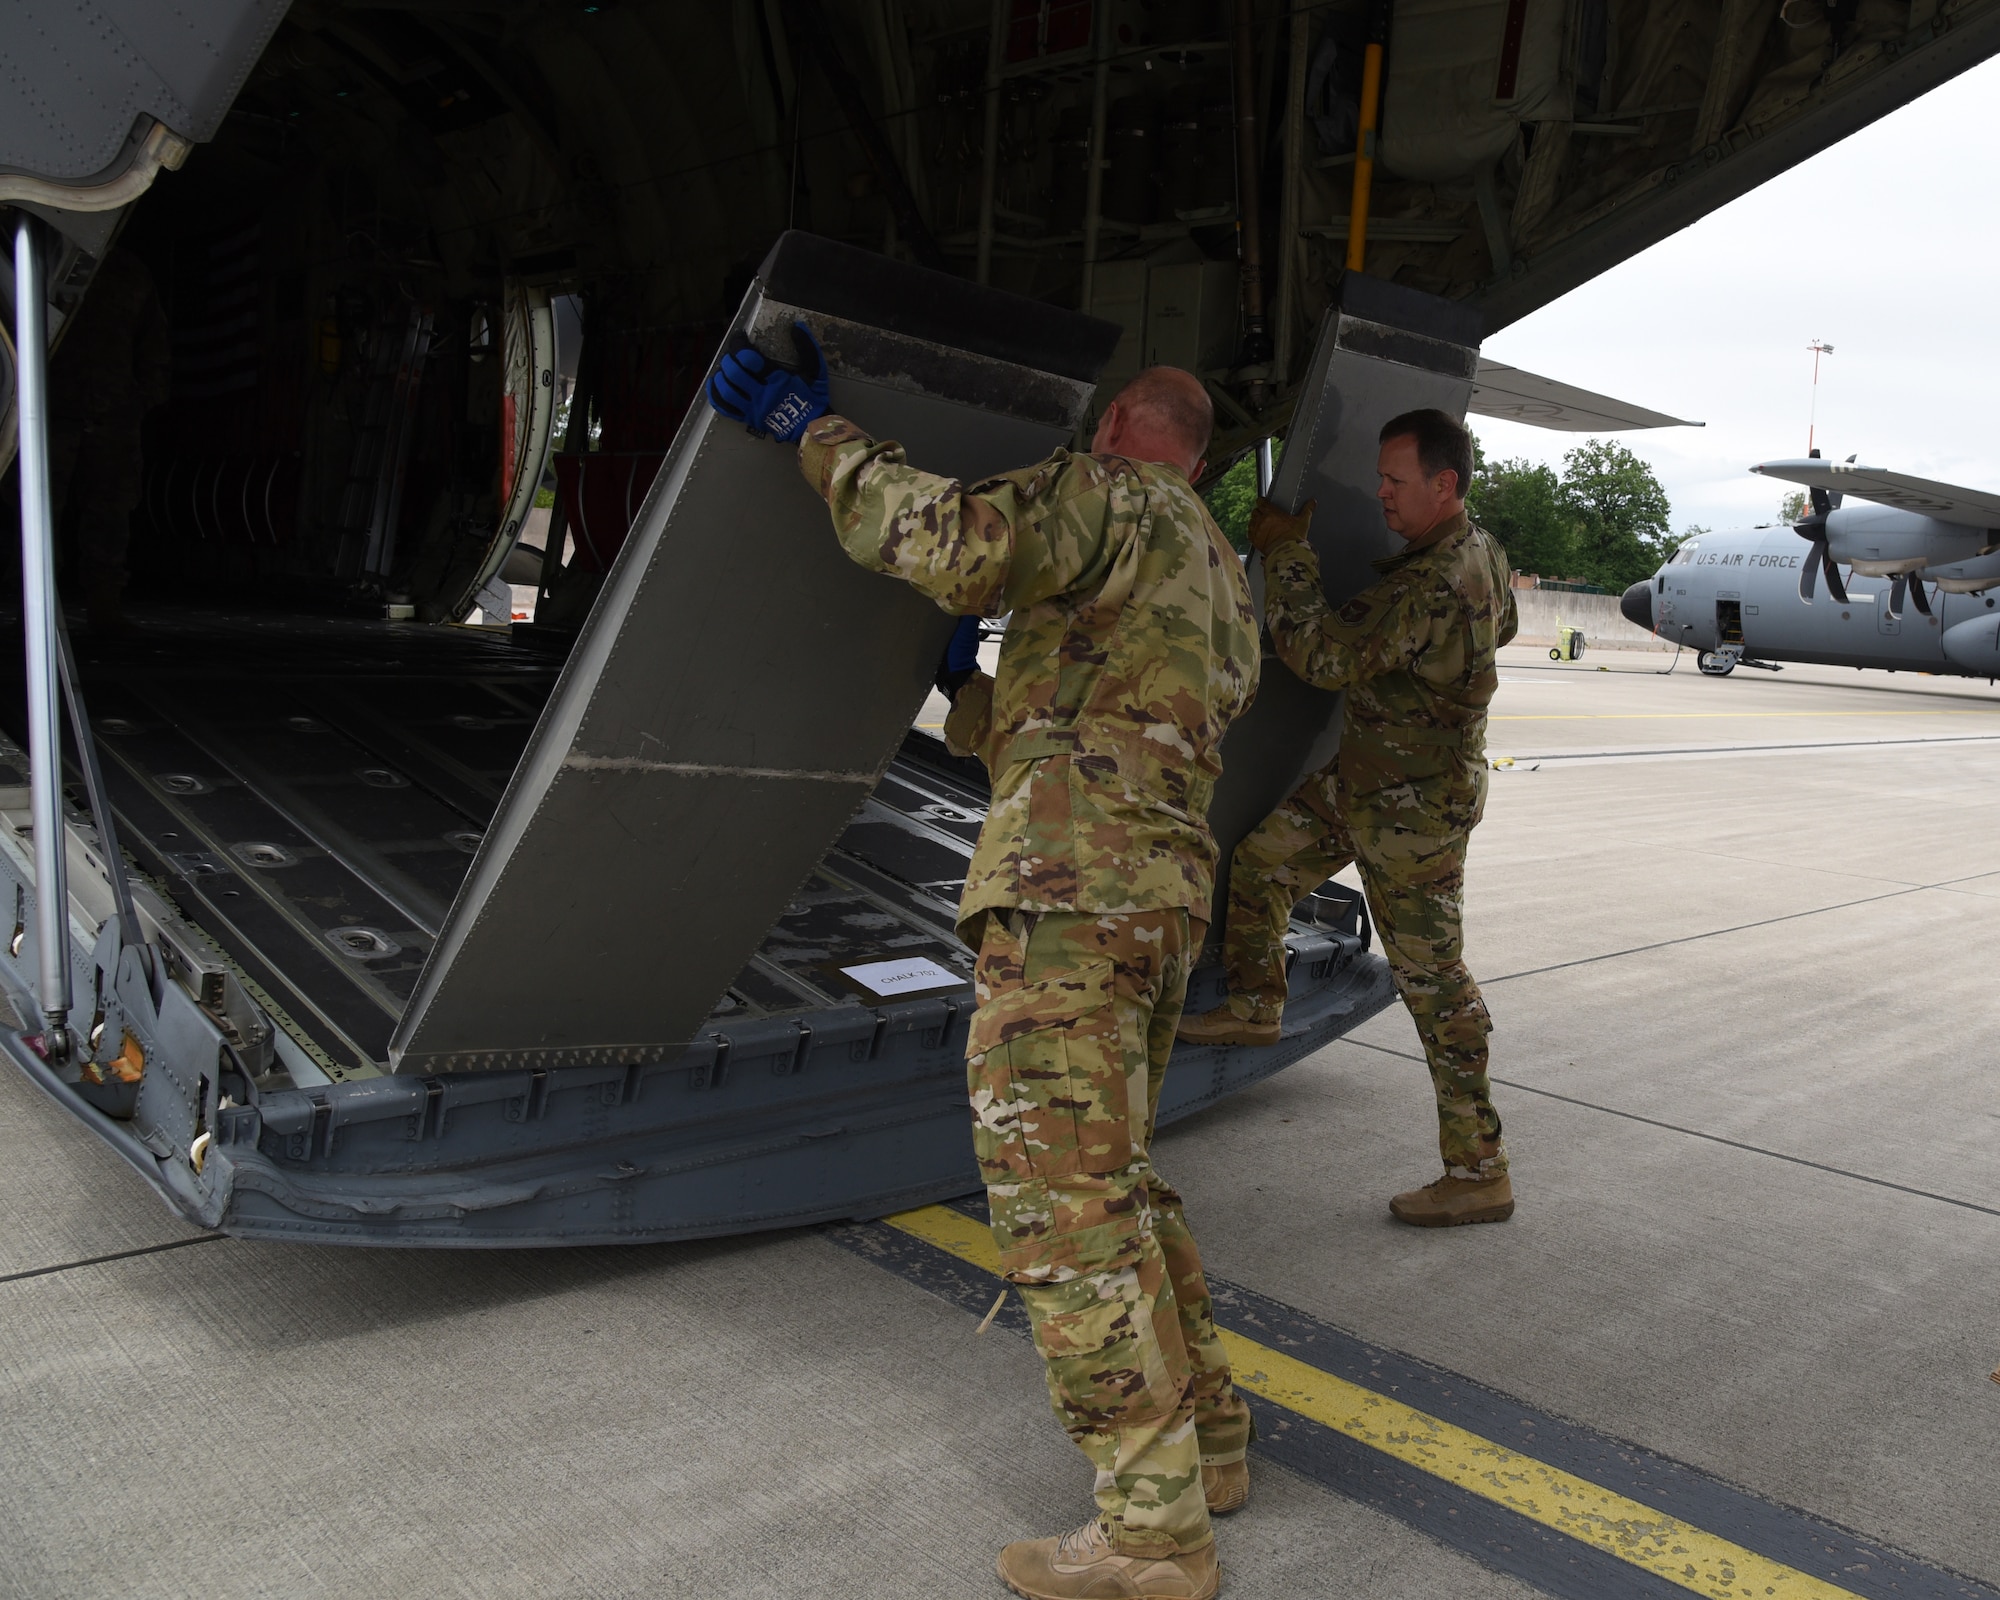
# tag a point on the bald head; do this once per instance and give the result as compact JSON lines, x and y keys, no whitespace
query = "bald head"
{"x":1163,"y":415}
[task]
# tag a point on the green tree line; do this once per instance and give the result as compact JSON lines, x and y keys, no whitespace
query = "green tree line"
{"x":1230,"y":498}
{"x":1602,"y":519}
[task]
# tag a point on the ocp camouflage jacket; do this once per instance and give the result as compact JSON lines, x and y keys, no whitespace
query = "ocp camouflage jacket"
{"x":1132,"y":646}
{"x":1415,"y":653}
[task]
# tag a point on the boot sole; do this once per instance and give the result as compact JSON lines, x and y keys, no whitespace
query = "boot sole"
{"x":1490,"y":1214}
{"x":1209,"y":1593}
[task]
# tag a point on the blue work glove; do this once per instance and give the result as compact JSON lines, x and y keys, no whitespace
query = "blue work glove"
{"x":961,"y":658}
{"x":772,"y":400}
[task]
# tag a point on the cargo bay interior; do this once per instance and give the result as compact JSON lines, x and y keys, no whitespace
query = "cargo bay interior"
{"x":357,"y":272}
{"x":364,"y":279}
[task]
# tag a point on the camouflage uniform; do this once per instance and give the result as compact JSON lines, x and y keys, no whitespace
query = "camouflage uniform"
{"x":1415,"y":654}
{"x":1133,"y":644}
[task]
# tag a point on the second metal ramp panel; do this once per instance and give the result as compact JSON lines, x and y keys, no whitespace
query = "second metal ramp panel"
{"x":1383,"y":350}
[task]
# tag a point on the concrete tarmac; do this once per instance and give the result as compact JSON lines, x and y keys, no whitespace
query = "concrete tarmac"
{"x":1736,"y":937}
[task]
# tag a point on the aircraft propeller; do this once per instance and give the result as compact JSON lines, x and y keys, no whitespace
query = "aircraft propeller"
{"x":1813,"y":529}
{"x":1914,"y":582}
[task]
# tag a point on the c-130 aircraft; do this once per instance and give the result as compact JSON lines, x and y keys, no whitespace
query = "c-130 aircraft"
{"x":1903,"y":580}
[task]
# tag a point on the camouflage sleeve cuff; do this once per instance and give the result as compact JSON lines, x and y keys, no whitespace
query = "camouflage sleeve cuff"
{"x":821,"y":448}
{"x":1291,"y":572}
{"x":968,"y":730}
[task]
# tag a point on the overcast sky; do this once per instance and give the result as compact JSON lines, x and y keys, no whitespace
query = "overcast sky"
{"x":1885,"y":246}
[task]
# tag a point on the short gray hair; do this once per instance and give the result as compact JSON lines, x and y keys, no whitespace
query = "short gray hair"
{"x":1172,"y":399}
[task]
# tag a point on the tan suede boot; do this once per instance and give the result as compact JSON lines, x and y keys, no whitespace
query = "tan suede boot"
{"x":1450,"y":1201}
{"x":1083,"y":1565}
{"x":1223,"y":1026}
{"x":1225,"y":1488}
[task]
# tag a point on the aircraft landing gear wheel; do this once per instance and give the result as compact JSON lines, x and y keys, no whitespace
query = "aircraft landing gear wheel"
{"x":1555,"y":655}
{"x":1715,"y":666}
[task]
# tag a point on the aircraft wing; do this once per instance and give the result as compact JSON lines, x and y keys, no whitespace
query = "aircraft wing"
{"x":1517,"y":396}
{"x":1970,"y":508}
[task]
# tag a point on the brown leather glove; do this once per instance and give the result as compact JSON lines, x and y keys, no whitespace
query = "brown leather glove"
{"x":1271,"y":524}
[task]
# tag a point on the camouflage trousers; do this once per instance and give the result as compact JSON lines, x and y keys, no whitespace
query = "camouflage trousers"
{"x":1075,"y":1024}
{"x":1415,"y":883}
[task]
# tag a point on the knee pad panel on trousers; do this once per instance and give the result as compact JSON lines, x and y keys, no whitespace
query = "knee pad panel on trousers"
{"x":1112,"y":1344}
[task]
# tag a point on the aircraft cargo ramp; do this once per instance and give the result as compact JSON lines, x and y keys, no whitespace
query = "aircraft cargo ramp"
{"x":308,"y":791}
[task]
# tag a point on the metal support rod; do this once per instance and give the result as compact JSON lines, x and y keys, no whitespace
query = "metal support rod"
{"x":798,"y":125}
{"x":1364,"y":148}
{"x":1093,"y":187}
{"x":1249,"y":209}
{"x":1267,"y":464}
{"x":93,"y":786}
{"x":1289,"y":207}
{"x":38,"y":612}
{"x":989,"y":156}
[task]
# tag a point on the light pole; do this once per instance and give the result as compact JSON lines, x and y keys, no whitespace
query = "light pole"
{"x":1818,"y":349}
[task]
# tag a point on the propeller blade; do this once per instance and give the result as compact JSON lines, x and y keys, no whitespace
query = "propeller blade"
{"x":1809,"y":574}
{"x":1834,"y":586}
{"x":1918,"y":596}
{"x":1893,"y":607}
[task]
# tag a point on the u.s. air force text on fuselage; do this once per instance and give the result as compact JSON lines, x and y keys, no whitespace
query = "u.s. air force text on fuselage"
{"x":1747,"y":558}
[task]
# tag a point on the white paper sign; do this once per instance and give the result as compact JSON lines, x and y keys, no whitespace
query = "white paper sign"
{"x":908,"y":976}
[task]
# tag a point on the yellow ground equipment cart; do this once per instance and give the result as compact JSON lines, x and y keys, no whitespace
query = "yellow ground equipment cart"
{"x":1569,"y":643}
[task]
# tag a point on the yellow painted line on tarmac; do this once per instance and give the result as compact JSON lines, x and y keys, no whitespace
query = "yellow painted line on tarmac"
{"x":953,"y":1232}
{"x":1587,"y":1512}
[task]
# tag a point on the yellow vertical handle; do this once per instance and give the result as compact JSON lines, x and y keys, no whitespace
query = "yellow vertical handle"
{"x":1364,"y":156}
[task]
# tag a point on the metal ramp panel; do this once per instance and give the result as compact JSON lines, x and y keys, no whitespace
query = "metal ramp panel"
{"x":1383,"y":349}
{"x":739,"y":688}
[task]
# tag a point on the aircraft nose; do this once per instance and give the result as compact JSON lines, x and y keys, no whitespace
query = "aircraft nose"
{"x":1637,"y":604}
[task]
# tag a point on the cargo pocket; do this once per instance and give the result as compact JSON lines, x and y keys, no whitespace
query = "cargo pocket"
{"x":1047,"y":1079}
{"x":1113,"y":1354}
